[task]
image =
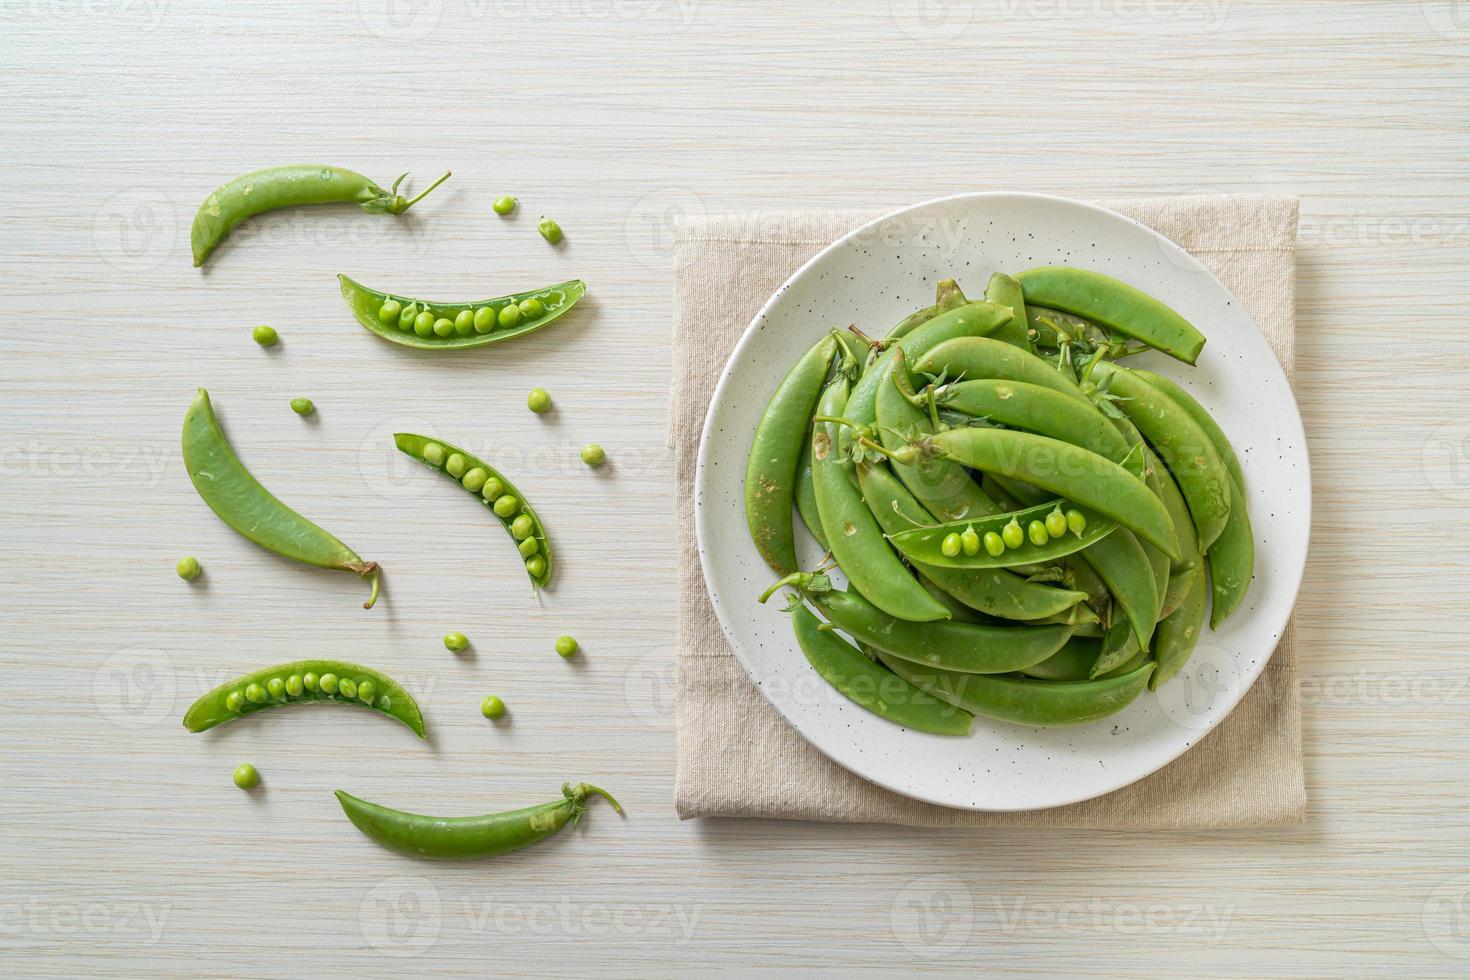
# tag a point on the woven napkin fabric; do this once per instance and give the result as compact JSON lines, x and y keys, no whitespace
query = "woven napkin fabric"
{"x":738,"y":758}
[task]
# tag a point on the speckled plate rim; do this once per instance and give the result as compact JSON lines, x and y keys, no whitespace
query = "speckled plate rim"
{"x":1285,"y":581}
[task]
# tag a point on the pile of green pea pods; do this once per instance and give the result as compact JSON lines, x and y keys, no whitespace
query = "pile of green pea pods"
{"x":1031,"y":531}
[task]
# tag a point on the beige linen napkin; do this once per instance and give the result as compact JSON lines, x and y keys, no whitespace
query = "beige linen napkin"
{"x":738,"y":758}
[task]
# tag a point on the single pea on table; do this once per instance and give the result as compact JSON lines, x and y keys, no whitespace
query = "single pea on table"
{"x":188,"y":568}
{"x":302,"y":406}
{"x":265,"y":336}
{"x":492,"y":707}
{"x":593,"y":454}
{"x":246,"y":776}
{"x":566,"y":646}
{"x":456,"y":642}
{"x":538,"y":401}
{"x":504,"y":204}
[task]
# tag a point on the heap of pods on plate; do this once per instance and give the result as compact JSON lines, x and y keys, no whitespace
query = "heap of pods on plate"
{"x":1031,"y":531}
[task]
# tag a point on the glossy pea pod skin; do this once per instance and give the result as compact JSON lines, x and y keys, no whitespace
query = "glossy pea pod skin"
{"x":1002,"y":290}
{"x":1114,"y":304}
{"x":775,"y":456}
{"x":1179,"y":633}
{"x":300,"y":682}
{"x":483,"y":326}
{"x":468,"y":838}
{"x":926,"y":544}
{"x":239,"y":500}
{"x":985,"y":357}
{"x":1033,"y":408}
{"x":1026,"y":701}
{"x":806,"y":492}
{"x":1074,"y":662}
{"x":870,"y":685}
{"x":415,"y":446}
{"x":289,"y":186}
{"x":1202,"y":417}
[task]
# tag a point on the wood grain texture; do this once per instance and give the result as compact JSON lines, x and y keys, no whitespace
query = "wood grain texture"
{"x":126,"y":850}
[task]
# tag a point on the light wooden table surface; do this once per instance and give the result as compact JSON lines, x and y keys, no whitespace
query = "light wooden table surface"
{"x":124,"y":847}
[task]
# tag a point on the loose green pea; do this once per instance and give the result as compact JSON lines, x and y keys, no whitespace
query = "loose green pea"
{"x":536,"y":566}
{"x":1076,"y":522}
{"x":970,"y":541}
{"x":276,"y":688}
{"x":532,"y":308}
{"x":1036,"y":531}
{"x":1012,"y":534}
{"x":365,"y":691}
{"x":233,"y":701}
{"x":302,"y":406}
{"x":434,"y":453}
{"x":443,"y":327}
{"x":464,"y":323}
{"x":389,"y":311}
{"x":566,"y":645}
{"x":474,"y":480}
{"x":456,"y":642}
{"x":550,"y":230}
{"x":455,"y":465}
{"x":538,"y":401}
{"x":484,"y":319}
{"x":294,"y":686}
{"x":1056,"y":523}
{"x":492,"y":707}
{"x":509,"y":315}
{"x":328,"y":683}
{"x":347,"y":687}
{"x":593,"y":454}
{"x":950,"y":546}
{"x":310,"y":681}
{"x":246,"y":776}
{"x":504,"y":204}
{"x":423,"y":324}
{"x":522,"y":526}
{"x":255,"y":694}
{"x":994,"y":544}
{"x":529,"y":546}
{"x":265,"y":336}
{"x":491,"y":489}
{"x":506,"y":505}
{"x":188,"y":568}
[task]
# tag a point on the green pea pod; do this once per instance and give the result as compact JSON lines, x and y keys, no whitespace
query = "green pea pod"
{"x":852,"y":532}
{"x":871,"y":686}
{"x":300,"y":682}
{"x":506,"y":497}
{"x":986,"y":357}
{"x":1116,"y":305}
{"x":1179,"y":634}
{"x":1026,"y":701}
{"x":1077,"y":616}
{"x":1160,"y":563}
{"x":948,"y":296}
{"x":1050,"y":329}
{"x":775,"y":456}
{"x":289,"y":186}
{"x":926,"y":544}
{"x":1045,"y":411}
{"x":1122,"y":563}
{"x":1184,"y":533}
{"x":1179,"y":585}
{"x":993,"y":591}
{"x":466,"y":838}
{"x":964,"y":647}
{"x":241,"y":502}
{"x":469,"y":324}
{"x":1119,"y":644}
{"x":915,"y":319}
{"x":1083,"y":477}
{"x":1184,"y":447}
{"x":1202,"y":417}
{"x":1073,"y":662}
{"x":806,"y":492}
{"x":1005,"y":291}
{"x":1232,"y":562}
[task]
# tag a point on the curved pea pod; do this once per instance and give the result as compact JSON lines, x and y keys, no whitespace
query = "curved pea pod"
{"x":299,"y":682}
{"x":1122,"y":563}
{"x":241,"y":502}
{"x":993,"y":591}
{"x":1045,"y":411}
{"x":925,"y":544}
{"x":806,"y":492}
{"x":1026,"y":701}
{"x":915,"y":319}
{"x":1070,"y":472}
{"x":482,"y":327}
{"x":1179,"y":585}
{"x":1119,"y":645}
{"x":1002,"y":290}
{"x":1073,"y":662}
{"x":1232,"y":562}
{"x":963,"y":647}
{"x":985,"y":357}
{"x":1185,"y":448}
{"x":871,"y":686}
{"x":1184,"y":533}
{"x":1179,"y":634}
{"x":1201,"y":417}
{"x":775,"y":456}
{"x":539,"y":572}
{"x":290,"y":186}
{"x":852,"y":532}
{"x":1114,"y":304}
{"x":466,"y":838}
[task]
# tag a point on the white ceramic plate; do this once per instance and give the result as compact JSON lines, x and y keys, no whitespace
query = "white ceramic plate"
{"x":874,"y":277}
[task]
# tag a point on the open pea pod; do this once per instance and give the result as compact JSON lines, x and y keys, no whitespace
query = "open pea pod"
{"x":428,"y":325}
{"x":1114,"y":304}
{"x":492,"y":489}
{"x":933,"y":545}
{"x":305,"y":682}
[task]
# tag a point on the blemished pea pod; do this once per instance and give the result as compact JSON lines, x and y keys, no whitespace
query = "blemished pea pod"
{"x":1023,"y":700}
{"x":775,"y":456}
{"x":1185,"y":448}
{"x":509,"y":507}
{"x":1114,"y":304}
{"x":1002,"y":290}
{"x":305,"y":682}
{"x":241,"y":502}
{"x":993,"y":591}
{"x":1232,"y":562}
{"x":806,"y":492}
{"x":926,"y":544}
{"x":1178,"y":635}
{"x":1070,"y":472}
{"x":466,"y":838}
{"x":289,"y":186}
{"x":870,"y":685}
{"x":986,"y":357}
{"x":1045,"y":411}
{"x":1119,"y":644}
{"x":1180,"y":583}
{"x":1202,"y":417}
{"x":429,"y":325}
